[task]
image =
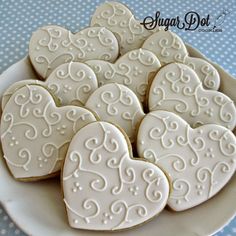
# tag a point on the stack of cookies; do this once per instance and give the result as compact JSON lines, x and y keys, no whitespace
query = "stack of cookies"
{"x":104,"y":93}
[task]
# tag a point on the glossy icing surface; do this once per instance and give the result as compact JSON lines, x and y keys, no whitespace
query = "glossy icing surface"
{"x":177,"y":88}
{"x":35,"y":133}
{"x":72,"y":83}
{"x":134,"y":69}
{"x":120,"y":20}
{"x":117,"y":104}
{"x":199,"y":162}
{"x":104,"y":189}
{"x":51,"y":46}
{"x":169,"y":47}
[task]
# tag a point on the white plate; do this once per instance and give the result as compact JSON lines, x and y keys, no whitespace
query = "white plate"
{"x":37,"y":208}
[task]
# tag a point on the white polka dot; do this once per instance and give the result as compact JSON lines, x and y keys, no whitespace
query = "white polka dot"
{"x":3,"y":232}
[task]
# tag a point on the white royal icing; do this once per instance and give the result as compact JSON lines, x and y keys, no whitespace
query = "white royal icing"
{"x":177,"y":88}
{"x":14,"y":87}
{"x":35,"y":134}
{"x":169,"y":47}
{"x":51,"y":46}
{"x":134,"y":69}
{"x":72,"y":83}
{"x":117,"y":104}
{"x":120,"y":20}
{"x":199,"y":161}
{"x":104,"y":188}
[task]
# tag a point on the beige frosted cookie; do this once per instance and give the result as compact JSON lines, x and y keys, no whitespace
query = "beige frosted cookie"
{"x":120,"y":20}
{"x":169,"y":47}
{"x":177,"y":88}
{"x":35,"y":134}
{"x":51,"y":46}
{"x":72,"y":83}
{"x":104,"y":187}
{"x":134,"y":69}
{"x":117,"y":104}
{"x":199,"y":162}
{"x":208,"y":75}
{"x":15,"y":86}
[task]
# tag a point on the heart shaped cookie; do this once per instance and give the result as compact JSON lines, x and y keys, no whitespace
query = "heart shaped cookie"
{"x":134,"y":69}
{"x":169,"y":47}
{"x":199,"y":161}
{"x":72,"y":83}
{"x":177,"y":88}
{"x":104,"y":187}
{"x":120,"y":20}
{"x":117,"y":104}
{"x":51,"y":46}
{"x":35,"y":133}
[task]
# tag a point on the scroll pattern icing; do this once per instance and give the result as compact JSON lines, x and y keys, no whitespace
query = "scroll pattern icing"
{"x":120,"y":20}
{"x":35,"y":133}
{"x":51,"y":46}
{"x":122,"y":192}
{"x":118,"y":104}
{"x":169,"y":47}
{"x":71,"y":83}
{"x":198,"y":161}
{"x":134,"y":69}
{"x":177,"y":88}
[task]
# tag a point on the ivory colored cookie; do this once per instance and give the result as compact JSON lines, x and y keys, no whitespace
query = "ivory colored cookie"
{"x":117,"y":104}
{"x":169,"y":47}
{"x":35,"y":133}
{"x":104,"y":187}
{"x":71,"y":82}
{"x":51,"y":46}
{"x":120,"y":20}
{"x":177,"y":88}
{"x":199,"y":161}
{"x":208,"y":75}
{"x":134,"y":69}
{"x":14,"y":87}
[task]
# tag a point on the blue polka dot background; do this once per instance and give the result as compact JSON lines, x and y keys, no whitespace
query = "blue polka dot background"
{"x":19,"y":18}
